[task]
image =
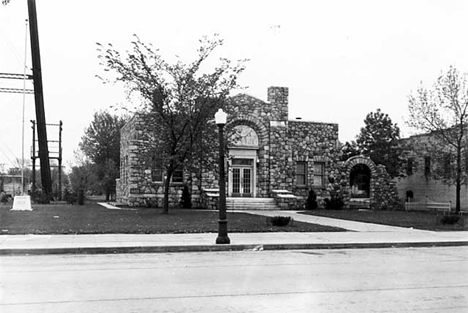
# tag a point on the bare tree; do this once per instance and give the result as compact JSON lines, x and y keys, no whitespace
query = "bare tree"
{"x":179,"y":99}
{"x":441,"y":112}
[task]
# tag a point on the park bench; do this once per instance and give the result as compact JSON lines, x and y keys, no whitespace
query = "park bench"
{"x":429,"y":205}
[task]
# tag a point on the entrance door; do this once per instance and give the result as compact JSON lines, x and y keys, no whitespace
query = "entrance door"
{"x":242,"y":182}
{"x":242,"y":177}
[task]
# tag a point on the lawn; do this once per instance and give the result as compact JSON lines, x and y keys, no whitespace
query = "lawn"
{"x":417,"y":220}
{"x":94,"y":219}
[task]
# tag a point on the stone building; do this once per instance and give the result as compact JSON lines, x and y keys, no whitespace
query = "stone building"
{"x":277,"y":159}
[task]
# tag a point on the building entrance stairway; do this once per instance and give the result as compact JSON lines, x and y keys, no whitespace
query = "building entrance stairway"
{"x":234,"y":203}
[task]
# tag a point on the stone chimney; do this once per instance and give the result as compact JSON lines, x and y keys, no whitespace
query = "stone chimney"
{"x":278,"y":98}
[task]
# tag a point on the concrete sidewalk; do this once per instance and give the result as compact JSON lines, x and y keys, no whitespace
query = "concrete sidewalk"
{"x":348,"y":225}
{"x":362,"y":235}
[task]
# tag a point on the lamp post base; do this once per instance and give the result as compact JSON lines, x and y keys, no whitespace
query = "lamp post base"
{"x":222,"y":233}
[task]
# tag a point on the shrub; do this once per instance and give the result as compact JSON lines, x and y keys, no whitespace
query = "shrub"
{"x":280,"y":220}
{"x":334,"y":203}
{"x":151,"y":203}
{"x":81,"y":197}
{"x":39,"y":197}
{"x":311,"y":200}
{"x":450,"y":219}
{"x":186,"y":200}
{"x":3,"y":197}
{"x":69,"y":196}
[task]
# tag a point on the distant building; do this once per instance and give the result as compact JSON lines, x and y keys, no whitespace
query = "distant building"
{"x":11,"y":184}
{"x":418,"y":183}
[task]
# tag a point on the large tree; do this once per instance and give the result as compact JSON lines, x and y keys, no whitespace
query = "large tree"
{"x":441,"y":113}
{"x":379,"y":140}
{"x":101,"y":144}
{"x":179,"y":99}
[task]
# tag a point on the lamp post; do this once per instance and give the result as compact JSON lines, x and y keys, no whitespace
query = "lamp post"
{"x":220,"y":118}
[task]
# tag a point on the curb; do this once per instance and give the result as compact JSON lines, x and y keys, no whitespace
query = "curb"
{"x":229,"y":247}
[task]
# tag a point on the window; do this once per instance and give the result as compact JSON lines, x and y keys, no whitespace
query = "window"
{"x":447,"y":166}
{"x":409,"y":167}
{"x":178,"y":176}
{"x":301,"y":173}
{"x":157,"y":171}
{"x":466,"y":161}
{"x":409,"y":195}
{"x":125,"y":169}
{"x":157,"y":175}
{"x":319,"y":174}
{"x":427,"y":165}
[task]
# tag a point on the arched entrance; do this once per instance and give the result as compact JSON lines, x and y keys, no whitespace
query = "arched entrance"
{"x":359,"y":181}
{"x":248,"y":158}
{"x":361,"y":173}
{"x":243,"y":158}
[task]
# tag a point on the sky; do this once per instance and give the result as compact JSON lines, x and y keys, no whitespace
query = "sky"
{"x":340,"y":59}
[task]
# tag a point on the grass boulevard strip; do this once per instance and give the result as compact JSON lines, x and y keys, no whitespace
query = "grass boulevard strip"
{"x":409,"y":219}
{"x":92,"y":218}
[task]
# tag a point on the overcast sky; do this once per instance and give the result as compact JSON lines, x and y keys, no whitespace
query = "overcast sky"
{"x":340,"y":59}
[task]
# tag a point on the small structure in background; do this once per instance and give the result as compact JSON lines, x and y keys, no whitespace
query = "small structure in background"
{"x":22,"y":203}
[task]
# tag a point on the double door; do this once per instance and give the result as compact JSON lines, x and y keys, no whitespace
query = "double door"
{"x":241,"y":183}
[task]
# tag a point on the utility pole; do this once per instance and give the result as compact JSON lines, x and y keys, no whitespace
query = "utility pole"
{"x":33,"y":157}
{"x":39,"y":100}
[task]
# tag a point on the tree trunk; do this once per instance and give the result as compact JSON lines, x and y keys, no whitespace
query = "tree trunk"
{"x":458,"y":182}
{"x":167,"y":184}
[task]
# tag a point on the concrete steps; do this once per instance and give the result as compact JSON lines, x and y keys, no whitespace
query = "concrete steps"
{"x":359,"y":203}
{"x":251,"y":204}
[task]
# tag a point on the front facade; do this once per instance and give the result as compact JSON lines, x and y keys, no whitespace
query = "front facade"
{"x":275,"y":155}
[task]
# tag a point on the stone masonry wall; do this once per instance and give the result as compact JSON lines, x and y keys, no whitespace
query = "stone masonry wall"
{"x":385,"y":191}
{"x":313,"y":142}
{"x":135,"y":186}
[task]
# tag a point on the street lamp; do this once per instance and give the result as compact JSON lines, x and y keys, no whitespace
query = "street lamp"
{"x":220,"y":118}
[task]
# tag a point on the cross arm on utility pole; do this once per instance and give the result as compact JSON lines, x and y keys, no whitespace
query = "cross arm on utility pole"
{"x":15,"y":76}
{"x":16,"y":90}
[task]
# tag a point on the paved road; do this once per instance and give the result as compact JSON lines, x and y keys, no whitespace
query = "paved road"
{"x":355,"y":280}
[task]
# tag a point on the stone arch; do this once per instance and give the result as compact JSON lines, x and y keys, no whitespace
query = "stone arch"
{"x":367,"y":167}
{"x":252,"y":122}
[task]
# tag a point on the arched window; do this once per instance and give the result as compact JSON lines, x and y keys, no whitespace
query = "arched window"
{"x":409,"y":195}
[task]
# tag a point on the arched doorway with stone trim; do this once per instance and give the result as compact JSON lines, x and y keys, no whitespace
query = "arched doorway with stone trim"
{"x":360,"y":180}
{"x":247,"y":157}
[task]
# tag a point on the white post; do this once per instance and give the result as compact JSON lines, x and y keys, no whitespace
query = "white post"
{"x":24,"y":102}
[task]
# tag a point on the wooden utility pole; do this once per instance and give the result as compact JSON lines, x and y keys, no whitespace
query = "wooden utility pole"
{"x":33,"y":157}
{"x":39,"y":100}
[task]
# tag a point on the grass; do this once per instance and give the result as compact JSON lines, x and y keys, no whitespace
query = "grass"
{"x":94,"y":219}
{"x":417,"y":220}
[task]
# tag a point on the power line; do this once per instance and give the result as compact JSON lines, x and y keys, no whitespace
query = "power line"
{"x":6,"y":156}
{"x":16,"y":90}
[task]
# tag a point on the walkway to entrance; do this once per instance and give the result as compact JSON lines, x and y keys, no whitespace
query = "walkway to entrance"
{"x":327,"y":221}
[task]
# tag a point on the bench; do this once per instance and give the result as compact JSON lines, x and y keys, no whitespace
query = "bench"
{"x":429,"y":205}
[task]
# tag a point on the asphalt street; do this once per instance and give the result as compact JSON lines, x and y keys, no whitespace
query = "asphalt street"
{"x":351,"y":280}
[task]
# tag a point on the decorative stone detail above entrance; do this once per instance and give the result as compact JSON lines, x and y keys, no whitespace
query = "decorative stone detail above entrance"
{"x":248,"y":136}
